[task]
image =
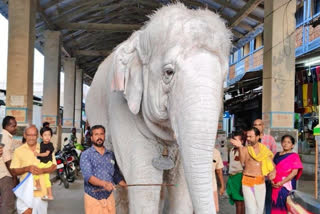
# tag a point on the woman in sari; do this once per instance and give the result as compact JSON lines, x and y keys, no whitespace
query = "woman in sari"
{"x":288,"y":171}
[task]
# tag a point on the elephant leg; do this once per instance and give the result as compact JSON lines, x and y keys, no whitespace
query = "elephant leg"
{"x":144,"y":200}
{"x":179,"y":197}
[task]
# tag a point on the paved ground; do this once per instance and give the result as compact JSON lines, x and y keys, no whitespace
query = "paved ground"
{"x":70,"y":201}
{"x":67,"y":201}
{"x":225,"y":206}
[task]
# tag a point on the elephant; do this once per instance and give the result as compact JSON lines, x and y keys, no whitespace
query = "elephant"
{"x":162,"y":88}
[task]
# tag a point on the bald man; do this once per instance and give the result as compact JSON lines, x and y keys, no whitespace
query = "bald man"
{"x":268,"y":141}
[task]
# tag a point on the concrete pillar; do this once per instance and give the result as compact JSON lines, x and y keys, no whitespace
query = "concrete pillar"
{"x":51,"y":84}
{"x":69,"y":92}
{"x":19,"y":97}
{"x":78,"y":101}
{"x":279,"y":64}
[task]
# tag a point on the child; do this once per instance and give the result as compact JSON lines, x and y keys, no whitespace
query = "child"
{"x":45,"y":157}
{"x":234,"y":184}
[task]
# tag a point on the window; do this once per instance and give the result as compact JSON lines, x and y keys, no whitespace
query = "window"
{"x":258,"y":41}
{"x":231,"y":59}
{"x":299,"y":15}
{"x":241,"y":52}
{"x":315,"y":7}
{"x":246,"y":50}
{"x":235,"y":57}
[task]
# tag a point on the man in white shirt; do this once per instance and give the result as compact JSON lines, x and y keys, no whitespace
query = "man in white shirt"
{"x":217,"y":166}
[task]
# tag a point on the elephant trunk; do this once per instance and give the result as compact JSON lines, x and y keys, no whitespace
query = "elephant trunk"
{"x":195,"y":125}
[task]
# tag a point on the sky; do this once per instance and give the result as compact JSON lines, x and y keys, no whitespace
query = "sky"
{"x":38,"y":57}
{"x":38,"y":64}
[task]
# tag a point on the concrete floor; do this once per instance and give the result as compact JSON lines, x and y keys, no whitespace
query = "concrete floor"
{"x":70,"y":201}
{"x":67,"y":201}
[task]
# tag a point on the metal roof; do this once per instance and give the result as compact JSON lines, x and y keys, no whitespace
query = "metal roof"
{"x":92,"y":28}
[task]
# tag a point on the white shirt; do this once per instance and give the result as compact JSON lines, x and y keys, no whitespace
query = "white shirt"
{"x":216,"y":164}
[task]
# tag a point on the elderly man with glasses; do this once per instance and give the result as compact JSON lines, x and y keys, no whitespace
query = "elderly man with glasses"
{"x":23,"y":162}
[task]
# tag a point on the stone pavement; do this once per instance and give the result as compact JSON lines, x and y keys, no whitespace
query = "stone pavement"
{"x":225,"y":207}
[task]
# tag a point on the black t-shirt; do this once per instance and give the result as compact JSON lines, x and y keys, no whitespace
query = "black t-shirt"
{"x":43,"y":148}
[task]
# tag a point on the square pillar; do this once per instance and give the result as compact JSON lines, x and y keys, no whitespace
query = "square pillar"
{"x":279,"y":64}
{"x":69,"y":92}
{"x":78,"y":101}
{"x":19,"y":97}
{"x":51,"y":84}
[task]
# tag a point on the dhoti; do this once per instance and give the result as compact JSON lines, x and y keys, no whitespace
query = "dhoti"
{"x":103,"y":206}
{"x":254,"y":193}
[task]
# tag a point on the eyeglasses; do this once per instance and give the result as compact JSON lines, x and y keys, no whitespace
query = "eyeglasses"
{"x":32,"y":135}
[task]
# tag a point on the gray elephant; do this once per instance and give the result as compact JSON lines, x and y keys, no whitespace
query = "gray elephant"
{"x":162,"y":88}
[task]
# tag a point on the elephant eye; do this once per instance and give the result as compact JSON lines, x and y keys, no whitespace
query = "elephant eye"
{"x":169,"y":72}
{"x":167,"y":75}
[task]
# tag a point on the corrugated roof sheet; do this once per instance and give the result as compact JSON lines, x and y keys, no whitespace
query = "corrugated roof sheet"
{"x":91,"y":46}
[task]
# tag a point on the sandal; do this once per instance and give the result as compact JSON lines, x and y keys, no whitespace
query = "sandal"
{"x":36,"y":188}
{"x":46,"y":198}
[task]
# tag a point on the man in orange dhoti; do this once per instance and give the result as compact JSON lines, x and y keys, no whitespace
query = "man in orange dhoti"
{"x":100,"y":173}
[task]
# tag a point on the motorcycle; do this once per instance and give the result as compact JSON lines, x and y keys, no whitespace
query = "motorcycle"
{"x":70,"y":150}
{"x":70,"y":167}
{"x":61,"y":169}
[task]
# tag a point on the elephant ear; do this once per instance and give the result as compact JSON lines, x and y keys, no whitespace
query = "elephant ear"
{"x":127,"y":72}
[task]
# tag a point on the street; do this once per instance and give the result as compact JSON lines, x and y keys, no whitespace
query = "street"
{"x":70,"y":201}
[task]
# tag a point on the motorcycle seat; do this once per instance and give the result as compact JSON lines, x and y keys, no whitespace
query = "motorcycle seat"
{"x":306,"y":201}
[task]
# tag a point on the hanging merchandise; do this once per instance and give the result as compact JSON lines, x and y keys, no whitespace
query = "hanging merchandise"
{"x":309,"y":100}
{"x":309,"y":82}
{"x":314,"y":87}
{"x":305,"y":95}
{"x":318,"y":81}
{"x":299,"y":89}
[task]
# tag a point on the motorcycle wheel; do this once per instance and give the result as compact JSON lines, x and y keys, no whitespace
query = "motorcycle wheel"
{"x":71,"y":175}
{"x":71,"y":179}
{"x":64,"y":181}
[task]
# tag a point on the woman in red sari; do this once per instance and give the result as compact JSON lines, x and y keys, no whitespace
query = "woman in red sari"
{"x":288,"y":169}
